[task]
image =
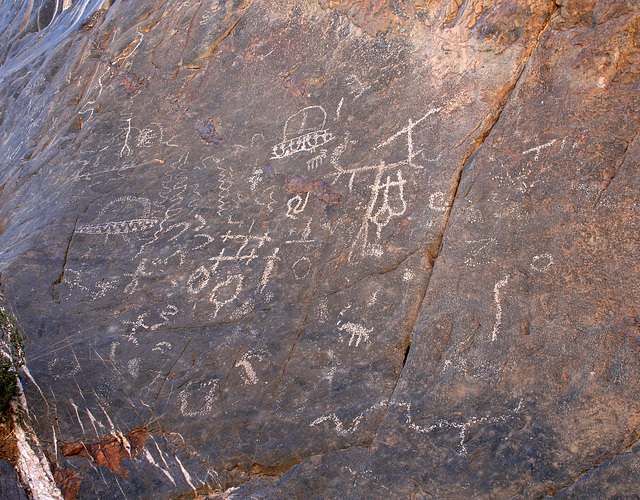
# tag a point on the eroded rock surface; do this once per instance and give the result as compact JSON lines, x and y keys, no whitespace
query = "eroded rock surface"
{"x":325,"y":248}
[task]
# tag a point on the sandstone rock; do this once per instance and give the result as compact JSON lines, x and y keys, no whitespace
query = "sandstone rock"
{"x":326,"y":249}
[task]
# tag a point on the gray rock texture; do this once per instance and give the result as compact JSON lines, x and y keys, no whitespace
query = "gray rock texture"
{"x":10,"y":488}
{"x":326,"y":248}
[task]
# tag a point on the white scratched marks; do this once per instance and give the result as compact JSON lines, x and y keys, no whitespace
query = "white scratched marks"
{"x":301,"y":268}
{"x":438,"y":202}
{"x":317,"y":160}
{"x":478,"y":253}
{"x":131,"y":225}
{"x":461,"y":427}
{"x":386,"y":201}
{"x":358,"y":332}
{"x":339,"y":425}
{"x":296,"y":205}
{"x":356,"y":86}
{"x":268,"y":268}
{"x":537,"y":149}
{"x":188,"y":410}
{"x":146,"y":454}
{"x":411,"y":154}
{"x":303,"y":131}
{"x":249,"y":375}
{"x":496,"y":297}
{"x":542,"y":262}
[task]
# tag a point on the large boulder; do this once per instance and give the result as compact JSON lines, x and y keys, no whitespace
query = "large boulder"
{"x":325,"y":249}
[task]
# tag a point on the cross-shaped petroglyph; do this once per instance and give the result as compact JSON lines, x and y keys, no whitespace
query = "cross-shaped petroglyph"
{"x":461,"y":427}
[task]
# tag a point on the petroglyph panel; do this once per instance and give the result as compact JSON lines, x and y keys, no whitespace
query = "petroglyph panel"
{"x":356,"y":239}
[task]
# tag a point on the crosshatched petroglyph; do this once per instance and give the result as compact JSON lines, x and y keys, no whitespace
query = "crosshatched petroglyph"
{"x":303,"y":131}
{"x":112,"y":210}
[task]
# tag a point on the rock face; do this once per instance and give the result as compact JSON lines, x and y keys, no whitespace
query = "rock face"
{"x":326,"y":249}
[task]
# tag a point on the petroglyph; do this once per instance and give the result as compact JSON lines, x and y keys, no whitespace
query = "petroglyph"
{"x":322,"y":312}
{"x":135,"y":277}
{"x":126,"y":150}
{"x":538,"y":149}
{"x":296,"y":205}
{"x":461,"y":427}
{"x":358,"y":332}
{"x":269,"y":268}
{"x":208,"y":398}
{"x":143,"y":223}
{"x":339,"y":425}
{"x":165,"y":314}
{"x":496,"y":297}
{"x":307,"y":142}
{"x":386,"y":201}
{"x":119,"y":227}
{"x":542,"y":262}
{"x":226,"y":292}
{"x":239,"y":256}
{"x":249,"y":375}
{"x":408,"y":130}
{"x":303,"y":131}
{"x":339,"y":108}
{"x":438,"y":202}
{"x":256,"y":178}
{"x":317,"y":160}
{"x":301,"y":268}
{"x":304,"y":237}
{"x":478,"y":252}
{"x":356,"y":86}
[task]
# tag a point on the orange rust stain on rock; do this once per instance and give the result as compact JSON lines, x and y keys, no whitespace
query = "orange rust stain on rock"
{"x":67,"y":480}
{"x":297,"y":184}
{"x":110,"y":451}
